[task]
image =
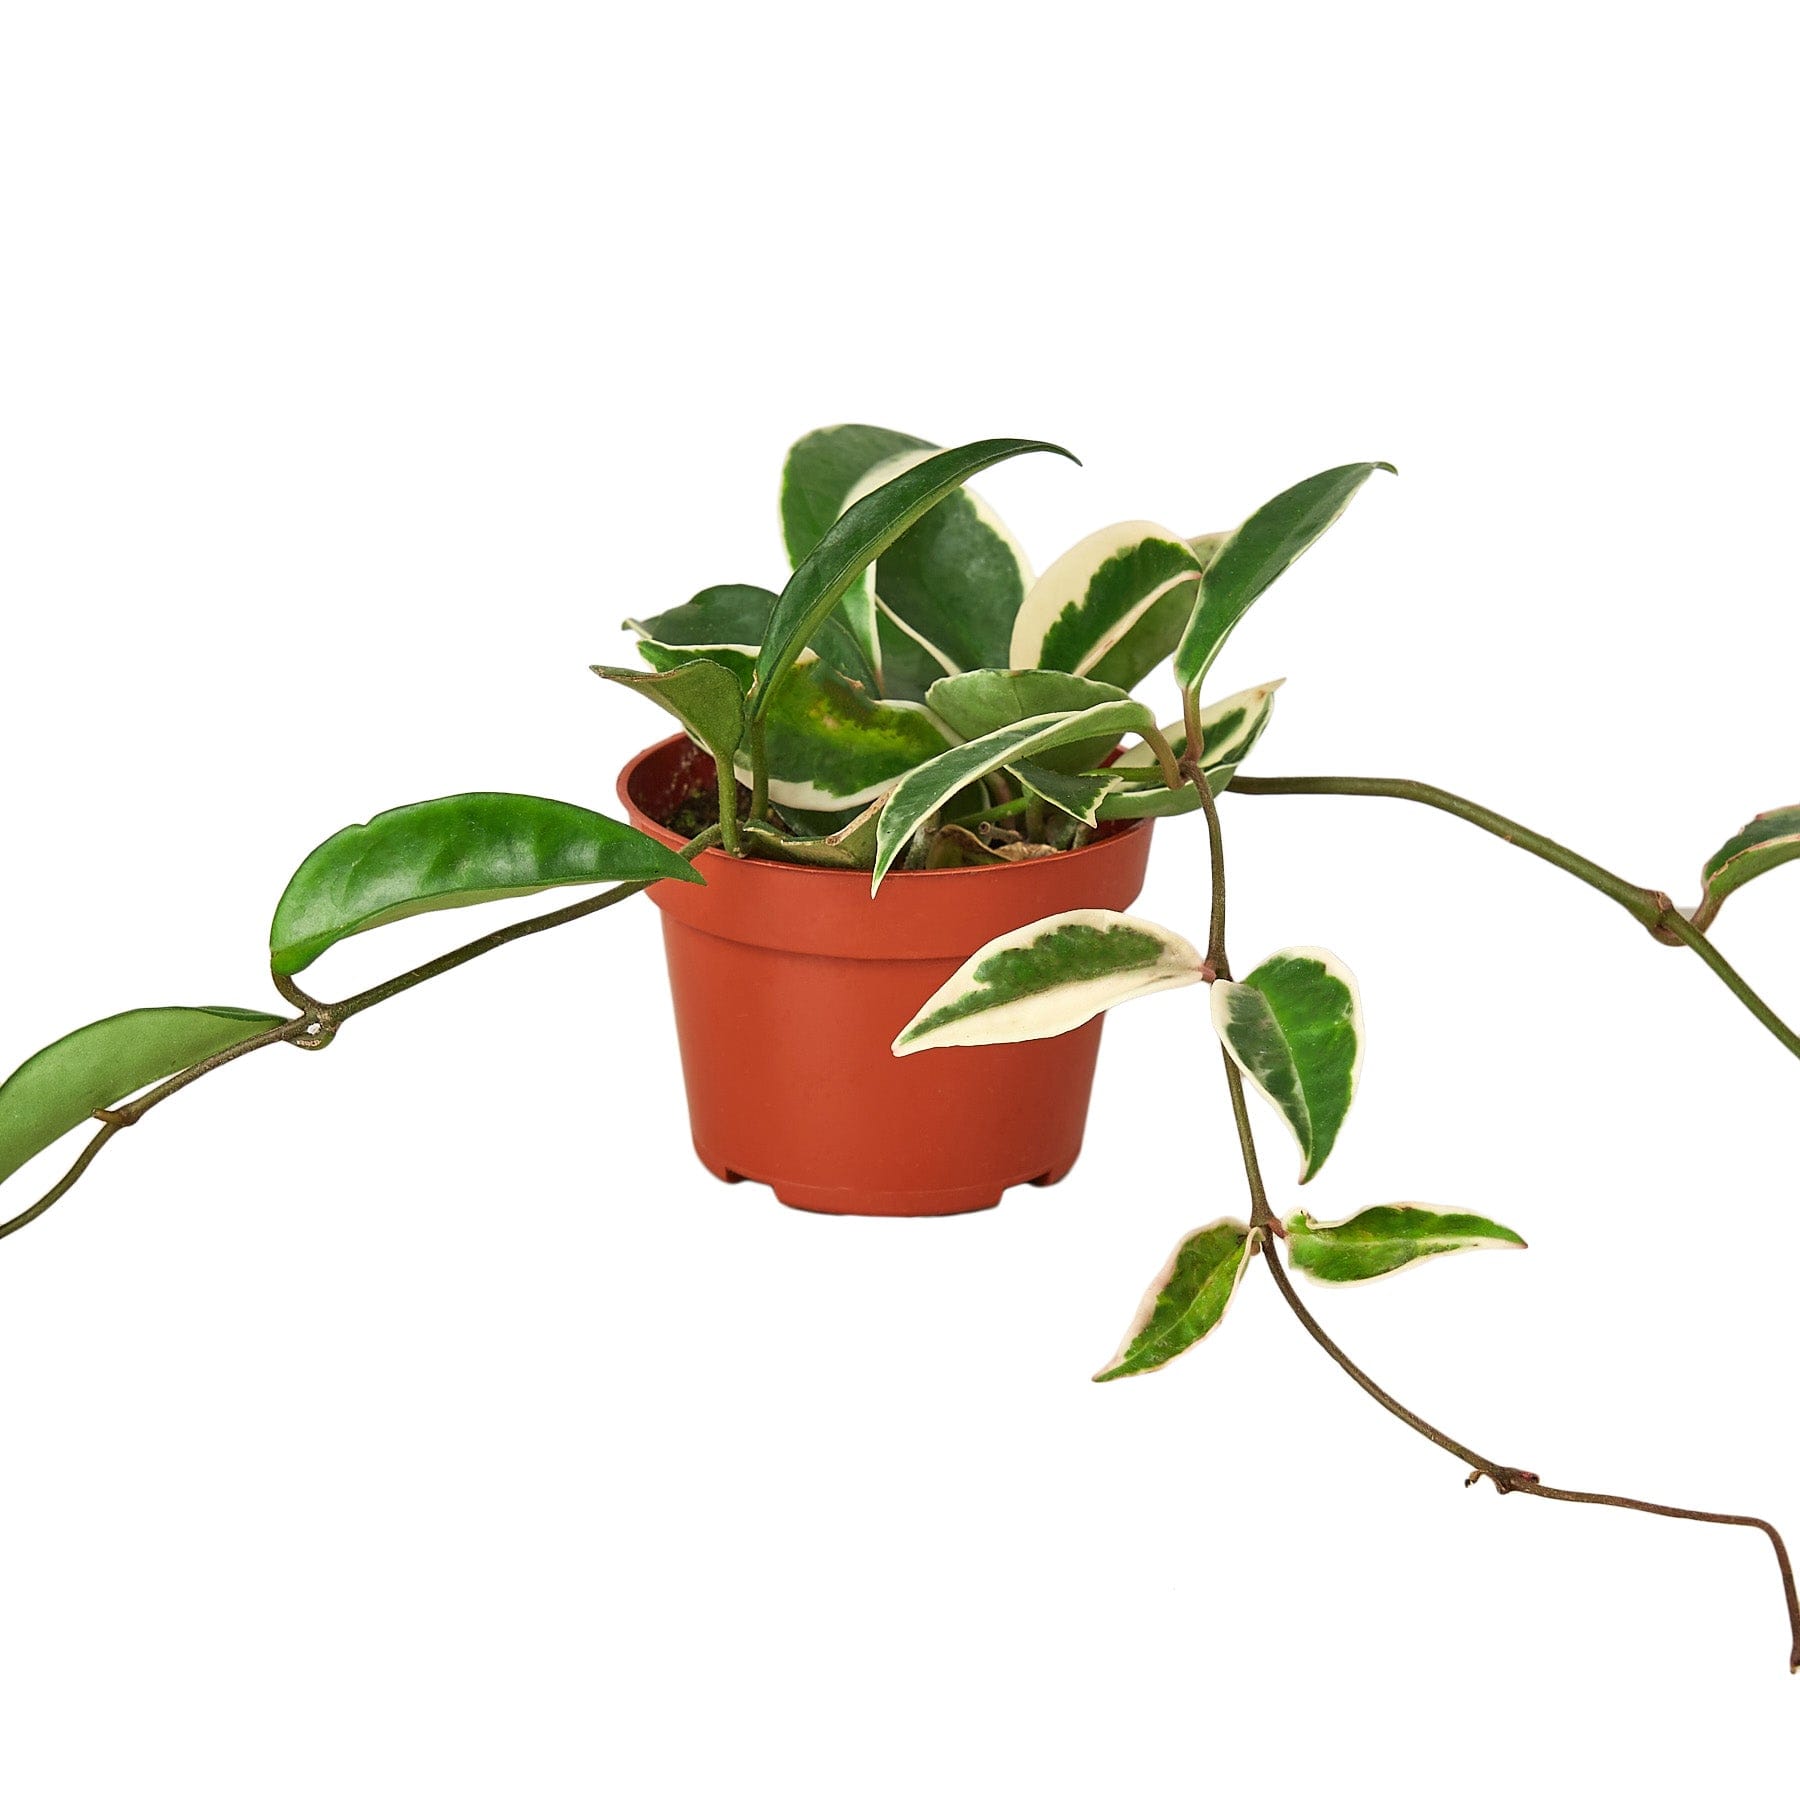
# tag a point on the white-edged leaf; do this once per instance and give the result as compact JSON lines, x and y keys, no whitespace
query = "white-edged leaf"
{"x":1112,"y":607}
{"x":1152,"y":800}
{"x":735,"y":616}
{"x":1229,"y":729}
{"x":1080,"y":796}
{"x":830,"y":746}
{"x":1383,"y":1239}
{"x":982,"y":700}
{"x":922,"y":791}
{"x":1266,"y":544}
{"x":1294,"y":1026}
{"x":1770,"y":839}
{"x":1050,"y":977}
{"x":952,"y":585}
{"x":1186,"y":1300}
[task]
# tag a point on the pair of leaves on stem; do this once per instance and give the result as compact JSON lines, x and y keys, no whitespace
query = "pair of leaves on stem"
{"x":1190,"y":1295}
{"x":1293,"y":1025}
{"x":415,"y":859}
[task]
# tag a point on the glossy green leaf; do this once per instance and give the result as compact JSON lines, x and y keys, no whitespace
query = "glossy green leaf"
{"x":703,"y":695}
{"x":1382,"y":1239}
{"x":983,"y":700}
{"x":1294,"y":1026}
{"x":1771,"y":838}
{"x":1112,"y":607}
{"x":101,"y":1064}
{"x":1080,"y":796}
{"x":1050,"y":977}
{"x":1186,"y":1300}
{"x":856,"y":539}
{"x":922,"y":791}
{"x":947,"y":591}
{"x":829,"y":746}
{"x":1256,"y":553}
{"x":823,"y":469}
{"x":458,"y":851}
{"x":736,"y":617}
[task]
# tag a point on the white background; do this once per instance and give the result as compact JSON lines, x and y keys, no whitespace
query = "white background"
{"x":419,"y":1418}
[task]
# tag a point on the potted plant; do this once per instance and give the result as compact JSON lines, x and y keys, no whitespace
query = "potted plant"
{"x":893,"y":847}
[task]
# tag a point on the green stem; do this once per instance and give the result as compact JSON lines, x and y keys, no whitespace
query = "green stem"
{"x":759,"y":770}
{"x":319,"y":1020}
{"x":1649,"y":906}
{"x":728,"y":807}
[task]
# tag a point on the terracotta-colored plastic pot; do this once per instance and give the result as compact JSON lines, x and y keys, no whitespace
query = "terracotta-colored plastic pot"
{"x":791,"y":983}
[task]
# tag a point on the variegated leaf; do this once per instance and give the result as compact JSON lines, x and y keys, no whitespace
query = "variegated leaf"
{"x":736,"y":617}
{"x":1294,"y":1026}
{"x":829,"y":744}
{"x":1186,"y":1300}
{"x":983,"y":700}
{"x":1383,"y":1239}
{"x":1771,"y":838}
{"x":922,"y":791}
{"x":1079,"y":796}
{"x":946,"y":594}
{"x":1050,"y":977}
{"x":705,"y":696}
{"x":1259,"y":550}
{"x":1229,"y":729}
{"x":1112,"y":607}
{"x":1152,"y":800}
{"x":867,"y":528}
{"x":823,"y":471}
{"x":820,"y":473}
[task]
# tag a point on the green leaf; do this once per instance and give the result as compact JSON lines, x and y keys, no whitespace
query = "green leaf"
{"x":851,"y":846}
{"x":1050,"y":977}
{"x":703,"y":695}
{"x":1769,"y":839}
{"x":947,"y":591}
{"x":1256,"y":553}
{"x":1294,"y":1026}
{"x":1382,"y":1239}
{"x":983,"y":700}
{"x":829,"y":745}
{"x":1229,"y":729}
{"x":1151,"y":800}
{"x":1080,"y":796}
{"x":453,"y":852}
{"x":736,"y":617}
{"x":1112,"y":607}
{"x":822,"y":470}
{"x":857,"y":538}
{"x":922,"y":791}
{"x":99,"y":1065}
{"x":1186,"y":1300}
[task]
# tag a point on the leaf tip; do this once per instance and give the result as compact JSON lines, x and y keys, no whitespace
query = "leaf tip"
{"x":1389,"y":467}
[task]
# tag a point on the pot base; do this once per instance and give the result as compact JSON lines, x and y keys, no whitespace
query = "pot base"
{"x":906,"y":1203}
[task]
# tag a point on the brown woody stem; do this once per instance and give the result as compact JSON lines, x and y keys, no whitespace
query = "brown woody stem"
{"x":1654,"y":911}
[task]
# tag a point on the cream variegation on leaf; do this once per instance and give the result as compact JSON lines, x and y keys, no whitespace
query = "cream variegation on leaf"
{"x":1051,"y":977}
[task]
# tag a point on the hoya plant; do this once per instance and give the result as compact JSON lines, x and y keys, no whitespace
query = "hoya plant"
{"x":912,"y":696}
